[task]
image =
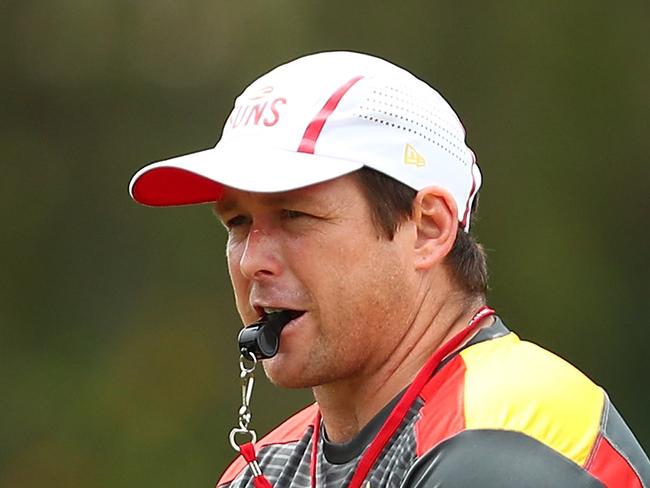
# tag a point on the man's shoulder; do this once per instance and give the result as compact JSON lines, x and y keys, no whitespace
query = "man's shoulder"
{"x":529,"y":406}
{"x":291,"y":430}
{"x":507,"y":384}
{"x":518,"y":386}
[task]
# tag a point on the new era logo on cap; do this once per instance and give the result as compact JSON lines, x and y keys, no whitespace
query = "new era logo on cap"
{"x":411,"y":156}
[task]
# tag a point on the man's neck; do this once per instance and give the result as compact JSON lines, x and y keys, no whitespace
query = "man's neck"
{"x":347,"y":406}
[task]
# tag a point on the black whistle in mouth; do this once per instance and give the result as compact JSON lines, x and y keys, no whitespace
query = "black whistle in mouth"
{"x":262,"y":339}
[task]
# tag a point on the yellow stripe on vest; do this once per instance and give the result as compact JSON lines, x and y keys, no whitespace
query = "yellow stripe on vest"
{"x":518,"y":386}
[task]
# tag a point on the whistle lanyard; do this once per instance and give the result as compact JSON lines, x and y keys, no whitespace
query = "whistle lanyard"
{"x":387,"y":430}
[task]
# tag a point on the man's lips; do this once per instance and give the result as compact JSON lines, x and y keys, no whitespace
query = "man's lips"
{"x":264,"y":315}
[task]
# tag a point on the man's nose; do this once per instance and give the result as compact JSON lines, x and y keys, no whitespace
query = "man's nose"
{"x":261,"y":258}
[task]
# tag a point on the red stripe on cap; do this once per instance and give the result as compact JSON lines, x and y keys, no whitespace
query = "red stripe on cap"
{"x":315,"y":127}
{"x":612,"y":469}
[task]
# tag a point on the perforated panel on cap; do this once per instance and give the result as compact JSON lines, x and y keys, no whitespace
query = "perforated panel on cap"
{"x":402,"y":109}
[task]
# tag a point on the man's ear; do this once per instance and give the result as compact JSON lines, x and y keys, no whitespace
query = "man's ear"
{"x":436,"y":220}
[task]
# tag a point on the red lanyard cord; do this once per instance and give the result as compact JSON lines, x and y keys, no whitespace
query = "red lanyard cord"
{"x":314,"y":450}
{"x":390,"y":425}
{"x":248,"y":453}
{"x":401,"y":409}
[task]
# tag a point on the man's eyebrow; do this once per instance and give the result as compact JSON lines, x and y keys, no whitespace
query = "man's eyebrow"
{"x":222,"y":206}
{"x":291,"y":199}
{"x":230,"y":204}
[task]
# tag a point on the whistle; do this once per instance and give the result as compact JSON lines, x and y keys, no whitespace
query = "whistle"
{"x":262,"y":338}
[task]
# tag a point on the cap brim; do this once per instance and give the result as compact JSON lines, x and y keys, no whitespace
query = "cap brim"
{"x":201,"y":177}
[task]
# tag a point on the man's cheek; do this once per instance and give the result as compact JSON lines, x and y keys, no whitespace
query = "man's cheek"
{"x":240,"y":291}
{"x":234,"y":270}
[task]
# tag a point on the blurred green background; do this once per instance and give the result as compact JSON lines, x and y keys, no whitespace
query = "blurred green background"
{"x":118,"y":360}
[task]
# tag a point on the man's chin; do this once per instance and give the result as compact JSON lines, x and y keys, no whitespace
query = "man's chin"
{"x":287,"y":377}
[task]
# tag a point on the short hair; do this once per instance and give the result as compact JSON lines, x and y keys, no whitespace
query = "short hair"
{"x":391,"y":204}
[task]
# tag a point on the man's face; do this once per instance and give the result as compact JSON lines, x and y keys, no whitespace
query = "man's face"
{"x":316,"y":250}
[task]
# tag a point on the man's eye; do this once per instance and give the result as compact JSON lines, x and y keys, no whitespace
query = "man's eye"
{"x":237,"y":221}
{"x":293,"y":214}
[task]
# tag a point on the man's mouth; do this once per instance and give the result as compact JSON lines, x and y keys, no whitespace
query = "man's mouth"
{"x":271,"y":313}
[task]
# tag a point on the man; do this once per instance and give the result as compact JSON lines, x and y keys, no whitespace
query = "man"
{"x":346,"y":188}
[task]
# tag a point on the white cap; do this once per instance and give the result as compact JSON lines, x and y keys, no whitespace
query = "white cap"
{"x":317,"y":118}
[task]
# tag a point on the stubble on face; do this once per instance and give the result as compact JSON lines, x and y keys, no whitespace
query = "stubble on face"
{"x":355,"y":330}
{"x":358,"y":290}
